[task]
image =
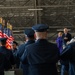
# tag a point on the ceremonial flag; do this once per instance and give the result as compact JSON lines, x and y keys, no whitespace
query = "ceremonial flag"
{"x":10,"y":39}
{"x":5,"y":33}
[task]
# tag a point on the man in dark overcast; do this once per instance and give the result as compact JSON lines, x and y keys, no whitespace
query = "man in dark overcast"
{"x":41,"y":55}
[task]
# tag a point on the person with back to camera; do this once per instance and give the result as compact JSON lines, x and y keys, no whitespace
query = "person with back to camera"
{"x":42,"y":55}
{"x":4,"y":63}
{"x":29,"y":37}
{"x":6,"y":57}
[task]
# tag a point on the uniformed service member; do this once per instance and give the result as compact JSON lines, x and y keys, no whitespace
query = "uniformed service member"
{"x":4,"y":63}
{"x":29,"y":37}
{"x":14,"y":51}
{"x":5,"y":51}
{"x":41,"y":55}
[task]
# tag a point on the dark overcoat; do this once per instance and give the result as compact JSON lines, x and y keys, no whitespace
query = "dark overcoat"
{"x":42,"y":57}
{"x":68,"y":54}
{"x":8,"y":54}
{"x":20,"y":52}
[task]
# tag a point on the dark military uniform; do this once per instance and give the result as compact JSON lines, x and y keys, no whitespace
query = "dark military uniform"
{"x":41,"y":56}
{"x":17,"y":61}
{"x":14,"y":51}
{"x":4,"y":63}
{"x":21,"y":49}
{"x":68,"y":54}
{"x":29,"y":33}
{"x":7,"y":52}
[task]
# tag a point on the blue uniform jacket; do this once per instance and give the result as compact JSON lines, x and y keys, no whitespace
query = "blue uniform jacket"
{"x":17,"y":61}
{"x":8,"y":54}
{"x":21,"y":48}
{"x":4,"y":63}
{"x":20,"y":52}
{"x":42,"y":57}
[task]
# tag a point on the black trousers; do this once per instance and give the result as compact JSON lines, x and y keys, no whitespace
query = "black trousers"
{"x":1,"y":73}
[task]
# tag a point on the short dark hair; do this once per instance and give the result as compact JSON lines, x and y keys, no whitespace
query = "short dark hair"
{"x":3,"y":42}
{"x":14,"y":42}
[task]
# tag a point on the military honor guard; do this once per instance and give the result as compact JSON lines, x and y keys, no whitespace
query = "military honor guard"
{"x":42,"y":55}
{"x":29,"y":37}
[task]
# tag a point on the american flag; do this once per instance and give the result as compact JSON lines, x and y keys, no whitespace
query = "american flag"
{"x":10,"y":35}
{"x":7,"y":33}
